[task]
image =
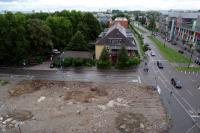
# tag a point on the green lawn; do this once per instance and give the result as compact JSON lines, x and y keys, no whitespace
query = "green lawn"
{"x":170,"y":54}
{"x":192,"y":69}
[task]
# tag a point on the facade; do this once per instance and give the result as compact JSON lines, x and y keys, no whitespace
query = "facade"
{"x":114,"y":38}
{"x":181,"y":26}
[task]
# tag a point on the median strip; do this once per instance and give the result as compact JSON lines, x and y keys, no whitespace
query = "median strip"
{"x":170,"y":54}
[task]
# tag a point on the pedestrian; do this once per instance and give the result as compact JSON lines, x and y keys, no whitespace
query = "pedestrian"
{"x":145,"y":63}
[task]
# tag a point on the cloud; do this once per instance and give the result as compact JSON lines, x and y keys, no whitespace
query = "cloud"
{"x":52,"y":5}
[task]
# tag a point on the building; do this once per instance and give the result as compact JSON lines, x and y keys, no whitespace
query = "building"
{"x":121,"y":20}
{"x":114,"y":38}
{"x":183,"y":27}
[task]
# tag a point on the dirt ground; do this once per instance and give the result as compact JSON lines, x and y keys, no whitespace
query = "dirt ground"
{"x":80,"y":107}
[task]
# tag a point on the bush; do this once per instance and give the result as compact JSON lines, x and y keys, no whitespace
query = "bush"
{"x":89,"y":62}
{"x":133,"y":61}
{"x":145,"y":48}
{"x":103,"y":64}
{"x":122,"y":59}
{"x":56,"y":62}
{"x":39,"y":59}
{"x":68,"y":62}
{"x":77,"y":62}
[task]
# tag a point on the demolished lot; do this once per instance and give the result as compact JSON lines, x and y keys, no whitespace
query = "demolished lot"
{"x":39,"y":106}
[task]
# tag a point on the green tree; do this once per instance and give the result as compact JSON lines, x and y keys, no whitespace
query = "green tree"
{"x":93,"y":25}
{"x":61,"y":31}
{"x":39,"y":37}
{"x":123,"y":58}
{"x":78,"y":42}
{"x":152,"y":23}
{"x":104,"y":61}
{"x":12,"y":38}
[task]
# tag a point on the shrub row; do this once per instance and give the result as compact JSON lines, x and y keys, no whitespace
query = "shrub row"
{"x":70,"y":61}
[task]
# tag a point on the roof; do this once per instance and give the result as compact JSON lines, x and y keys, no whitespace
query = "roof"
{"x":117,"y":32}
{"x":121,"y":19}
{"x":80,"y":54}
{"x":191,"y":15}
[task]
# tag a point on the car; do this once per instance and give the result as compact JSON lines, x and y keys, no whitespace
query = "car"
{"x":174,"y":43}
{"x":176,"y":83}
{"x":149,"y":48}
{"x":55,"y":51}
{"x":160,"y":65}
{"x":197,"y":60}
{"x":152,"y":53}
{"x":51,"y":65}
{"x":180,"y":51}
{"x":146,"y":44}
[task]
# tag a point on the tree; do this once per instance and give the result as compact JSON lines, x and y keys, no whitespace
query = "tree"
{"x":61,"y":31}
{"x":78,"y":42}
{"x":39,"y":37}
{"x":123,"y":58}
{"x":104,"y":61}
{"x":93,"y":24}
{"x":152,"y":23}
{"x":13,"y":41}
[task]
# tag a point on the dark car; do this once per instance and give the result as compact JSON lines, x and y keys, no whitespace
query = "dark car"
{"x":159,"y":64}
{"x":51,"y":65}
{"x":176,"y":83}
{"x":180,"y":51}
{"x":174,"y":43}
{"x":148,"y":47}
{"x":197,"y":61}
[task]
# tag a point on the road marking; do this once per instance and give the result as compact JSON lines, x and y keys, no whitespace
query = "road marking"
{"x":134,"y":80}
{"x":139,"y":79}
{"x":189,"y":92}
{"x":158,"y":89}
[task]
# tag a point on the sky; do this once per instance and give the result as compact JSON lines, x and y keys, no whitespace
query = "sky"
{"x":98,"y":5}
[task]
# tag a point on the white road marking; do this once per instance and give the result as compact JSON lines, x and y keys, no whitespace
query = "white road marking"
{"x":134,"y":80}
{"x":189,"y":92}
{"x":139,"y":80}
{"x":158,"y":89}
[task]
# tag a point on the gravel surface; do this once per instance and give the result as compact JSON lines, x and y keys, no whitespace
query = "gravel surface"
{"x":80,"y":107}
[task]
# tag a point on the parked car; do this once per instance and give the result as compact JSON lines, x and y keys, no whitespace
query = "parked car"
{"x":147,"y":44}
{"x":55,"y":51}
{"x":51,"y":65}
{"x":174,"y":43}
{"x":176,"y":83}
{"x":180,"y":51}
{"x":160,"y":65}
{"x":149,"y":48}
{"x":197,"y":60}
{"x":152,"y":53}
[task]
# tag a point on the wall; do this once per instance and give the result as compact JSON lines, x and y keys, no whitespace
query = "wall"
{"x":98,"y":50}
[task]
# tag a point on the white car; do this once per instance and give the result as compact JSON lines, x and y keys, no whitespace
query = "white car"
{"x":55,"y":51}
{"x":152,"y":53}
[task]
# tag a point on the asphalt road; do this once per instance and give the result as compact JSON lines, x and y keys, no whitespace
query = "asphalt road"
{"x":182,"y":104}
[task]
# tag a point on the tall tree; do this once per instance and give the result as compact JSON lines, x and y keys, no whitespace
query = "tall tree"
{"x":93,"y":24}
{"x":61,"y":31}
{"x":122,"y":58}
{"x":152,"y":23}
{"x":39,"y":37}
{"x":78,"y":42}
{"x":12,"y":38}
